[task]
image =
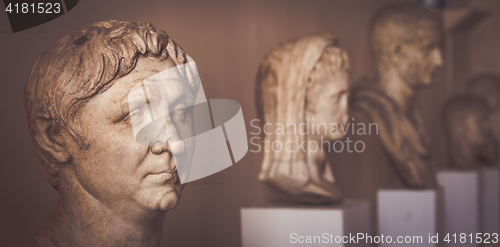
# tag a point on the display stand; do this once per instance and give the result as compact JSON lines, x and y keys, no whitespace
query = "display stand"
{"x":489,"y":193}
{"x":302,"y":225}
{"x":460,"y":202}
{"x":410,"y":215}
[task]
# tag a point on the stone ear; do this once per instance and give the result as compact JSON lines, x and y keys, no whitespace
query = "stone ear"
{"x":395,"y":53}
{"x":48,"y":137}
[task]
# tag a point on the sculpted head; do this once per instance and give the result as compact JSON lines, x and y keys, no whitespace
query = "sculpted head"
{"x":467,"y":124}
{"x":406,"y":38}
{"x":304,"y":79}
{"x":79,"y":117}
{"x":486,"y":86}
{"x":327,"y":93}
{"x":300,"y":84}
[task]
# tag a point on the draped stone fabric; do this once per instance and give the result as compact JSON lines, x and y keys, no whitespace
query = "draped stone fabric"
{"x":403,"y":137}
{"x":281,"y":91}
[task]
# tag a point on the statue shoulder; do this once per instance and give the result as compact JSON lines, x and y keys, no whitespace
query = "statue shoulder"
{"x":372,"y":102}
{"x":43,"y":242}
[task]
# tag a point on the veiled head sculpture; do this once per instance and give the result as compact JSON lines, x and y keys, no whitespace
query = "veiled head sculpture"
{"x":113,"y":190}
{"x":486,"y":86}
{"x":471,"y":141}
{"x":404,"y":40}
{"x":301,"y":84}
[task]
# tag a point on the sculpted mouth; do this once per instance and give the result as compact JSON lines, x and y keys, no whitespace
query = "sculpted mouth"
{"x":166,"y":176}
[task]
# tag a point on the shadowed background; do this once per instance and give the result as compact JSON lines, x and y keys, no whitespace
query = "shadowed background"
{"x":227,"y":39}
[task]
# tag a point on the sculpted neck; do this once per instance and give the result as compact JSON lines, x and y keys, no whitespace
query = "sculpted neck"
{"x":316,"y":160}
{"x":82,"y":220}
{"x":394,"y":86}
{"x":316,"y":156}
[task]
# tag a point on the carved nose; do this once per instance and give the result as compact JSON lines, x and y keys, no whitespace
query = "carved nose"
{"x":174,"y":144}
{"x":159,"y":147}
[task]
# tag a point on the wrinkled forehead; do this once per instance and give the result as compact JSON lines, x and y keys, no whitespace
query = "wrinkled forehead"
{"x":167,"y":85}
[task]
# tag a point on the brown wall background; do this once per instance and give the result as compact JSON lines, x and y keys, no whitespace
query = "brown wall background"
{"x":227,"y":39}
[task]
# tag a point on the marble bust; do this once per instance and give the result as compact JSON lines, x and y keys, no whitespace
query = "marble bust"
{"x":404,"y":40}
{"x":486,"y":86}
{"x":301,"y":84}
{"x":113,"y":191}
{"x":471,"y":141}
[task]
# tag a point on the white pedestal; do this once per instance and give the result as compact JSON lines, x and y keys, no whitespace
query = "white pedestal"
{"x":409,"y":216}
{"x":489,"y":193}
{"x":460,"y":203}
{"x":304,"y":225}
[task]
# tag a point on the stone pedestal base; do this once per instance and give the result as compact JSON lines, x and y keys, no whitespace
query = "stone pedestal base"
{"x":489,"y":194}
{"x":409,"y":216}
{"x":460,"y":203}
{"x":304,"y":225}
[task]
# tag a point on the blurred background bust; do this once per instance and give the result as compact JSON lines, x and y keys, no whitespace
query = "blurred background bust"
{"x":302,"y":84}
{"x":113,"y":191}
{"x":486,"y":86}
{"x":471,"y":141}
{"x":405,"y":45}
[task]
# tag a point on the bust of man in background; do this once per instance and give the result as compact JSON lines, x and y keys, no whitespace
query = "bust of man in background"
{"x":404,"y":40}
{"x":113,"y":191}
{"x":486,"y":85}
{"x":471,"y":141}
